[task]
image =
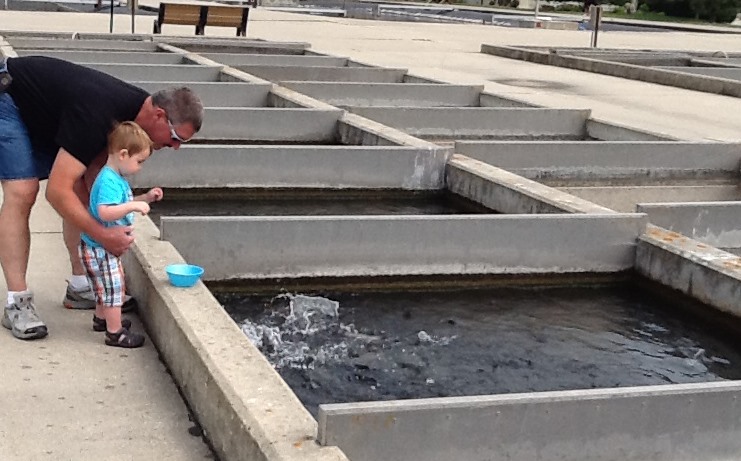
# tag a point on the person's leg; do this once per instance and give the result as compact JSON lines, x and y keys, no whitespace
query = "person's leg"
{"x":15,"y":234}
{"x":109,"y":287}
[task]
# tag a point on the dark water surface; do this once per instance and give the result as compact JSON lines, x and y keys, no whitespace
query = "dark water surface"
{"x":321,"y":205}
{"x":384,"y":346}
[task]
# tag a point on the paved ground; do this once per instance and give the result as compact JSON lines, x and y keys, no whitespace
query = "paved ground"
{"x":68,"y":397}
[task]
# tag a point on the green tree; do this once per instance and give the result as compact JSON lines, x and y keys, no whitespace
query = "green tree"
{"x":710,"y":10}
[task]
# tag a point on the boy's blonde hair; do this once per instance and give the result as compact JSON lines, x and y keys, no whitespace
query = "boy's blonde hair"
{"x":129,"y":136}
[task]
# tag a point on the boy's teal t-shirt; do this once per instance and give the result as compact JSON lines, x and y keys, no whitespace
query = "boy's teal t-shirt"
{"x":109,"y":188}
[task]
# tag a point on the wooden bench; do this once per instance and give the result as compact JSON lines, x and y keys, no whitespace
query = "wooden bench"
{"x":202,"y":15}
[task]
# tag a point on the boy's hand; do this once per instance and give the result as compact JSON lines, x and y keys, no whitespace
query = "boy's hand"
{"x":154,"y":195}
{"x":140,"y":207}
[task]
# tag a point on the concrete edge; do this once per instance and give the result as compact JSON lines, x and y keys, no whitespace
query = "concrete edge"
{"x":246,"y":410}
{"x":510,"y":193}
{"x":611,"y":131}
{"x":699,"y":270}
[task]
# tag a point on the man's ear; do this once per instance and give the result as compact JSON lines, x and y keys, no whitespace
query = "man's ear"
{"x":159,"y":112}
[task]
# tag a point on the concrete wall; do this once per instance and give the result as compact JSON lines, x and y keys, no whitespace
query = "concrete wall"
{"x":478,"y":122}
{"x":390,"y":94}
{"x":121,"y":57}
{"x":219,"y":94}
{"x":326,"y":74}
{"x":268,"y":125}
{"x":236,"y":59}
{"x":20,"y":43}
{"x":492,"y":100}
{"x":694,"y":268}
{"x":160,"y":72}
{"x":326,"y":167}
{"x":608,"y":131}
{"x":337,"y":246}
{"x":686,"y":422}
{"x":508,"y":193}
{"x":247,"y":412}
{"x":715,"y":223}
{"x":733,"y":74}
{"x":585,"y":161}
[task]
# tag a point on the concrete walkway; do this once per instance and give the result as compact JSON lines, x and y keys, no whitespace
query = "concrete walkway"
{"x":69,"y":397}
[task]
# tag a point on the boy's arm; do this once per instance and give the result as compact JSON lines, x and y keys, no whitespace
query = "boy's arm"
{"x":116,"y":212}
{"x":152,"y":195}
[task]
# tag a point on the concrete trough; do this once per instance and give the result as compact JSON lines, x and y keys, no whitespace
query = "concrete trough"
{"x":115,"y":57}
{"x":273,"y":247}
{"x":325,"y":74}
{"x":243,"y":59}
{"x":219,"y":94}
{"x":481,"y":122}
{"x":160,"y":72}
{"x":713,"y":223}
{"x":684,"y":422}
{"x":267,"y":125}
{"x":389,"y":94}
{"x":321,"y":167}
{"x":608,"y":162}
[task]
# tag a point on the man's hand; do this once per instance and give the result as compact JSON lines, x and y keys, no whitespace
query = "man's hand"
{"x":117,"y":239}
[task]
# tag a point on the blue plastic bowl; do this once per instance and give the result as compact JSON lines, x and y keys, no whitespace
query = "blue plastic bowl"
{"x":183,"y":275}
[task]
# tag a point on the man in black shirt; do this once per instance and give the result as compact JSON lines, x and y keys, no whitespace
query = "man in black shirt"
{"x":54,"y":119}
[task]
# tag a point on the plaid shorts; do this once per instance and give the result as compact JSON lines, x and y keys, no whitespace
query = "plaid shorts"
{"x":105,"y":273}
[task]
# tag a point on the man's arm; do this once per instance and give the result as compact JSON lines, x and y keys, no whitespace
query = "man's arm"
{"x":60,"y":192}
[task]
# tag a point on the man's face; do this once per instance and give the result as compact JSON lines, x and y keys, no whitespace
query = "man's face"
{"x":165,"y":134}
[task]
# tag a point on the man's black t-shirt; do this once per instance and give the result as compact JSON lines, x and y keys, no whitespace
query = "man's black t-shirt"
{"x":70,"y":106}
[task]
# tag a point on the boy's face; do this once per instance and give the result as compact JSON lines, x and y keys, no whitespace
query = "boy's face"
{"x":131,"y":164}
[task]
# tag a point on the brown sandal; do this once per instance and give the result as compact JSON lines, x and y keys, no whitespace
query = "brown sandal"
{"x":124,"y":338}
{"x":99,"y":324}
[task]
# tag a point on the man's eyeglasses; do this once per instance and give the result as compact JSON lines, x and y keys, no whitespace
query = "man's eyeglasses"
{"x":173,"y":134}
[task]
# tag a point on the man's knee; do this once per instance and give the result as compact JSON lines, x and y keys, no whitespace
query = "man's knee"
{"x":20,"y":194}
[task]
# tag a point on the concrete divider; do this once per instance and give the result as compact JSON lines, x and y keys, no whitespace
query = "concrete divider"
{"x":586,"y":161}
{"x":609,"y":131}
{"x":247,"y":412}
{"x":160,"y":72}
{"x":326,"y":74}
{"x":481,"y":122}
{"x":219,"y":94}
{"x":267,"y":125}
{"x":509,"y":193}
{"x":201,"y":44}
{"x":647,"y":74}
{"x":355,"y":130}
{"x":706,"y":273}
{"x":326,"y":167}
{"x":684,"y":422}
{"x":55,"y":43}
{"x":271,"y":247}
{"x":119,"y":57}
{"x":493,"y":100}
{"x":625,"y":198}
{"x":715,"y":223}
{"x":389,"y":94}
{"x":237,"y":59}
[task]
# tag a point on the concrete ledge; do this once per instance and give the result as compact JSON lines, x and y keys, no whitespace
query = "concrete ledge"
{"x":268,"y":247}
{"x":325,"y":74}
{"x":509,"y":193}
{"x":264,"y":124}
{"x":55,"y":43}
{"x":237,"y":59}
{"x":246,"y":410}
{"x":696,"y":269}
{"x":359,"y":131}
{"x":663,"y":77}
{"x":684,"y":422}
{"x":219,"y":94}
{"x":119,"y":57}
{"x":586,"y":161}
{"x":714,"y":223}
{"x":390,"y":94}
{"x":609,"y":131}
{"x":481,"y":122}
{"x":325,"y":167}
{"x":493,"y":100}
{"x":625,"y":198}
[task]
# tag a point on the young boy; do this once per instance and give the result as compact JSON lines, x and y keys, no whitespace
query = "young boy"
{"x":112,"y":203}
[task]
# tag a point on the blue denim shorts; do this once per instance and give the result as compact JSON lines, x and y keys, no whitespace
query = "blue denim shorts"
{"x":20,"y":158}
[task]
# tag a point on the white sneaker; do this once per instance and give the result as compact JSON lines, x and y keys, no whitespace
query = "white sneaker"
{"x":85,"y":299}
{"x":21,"y":318}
